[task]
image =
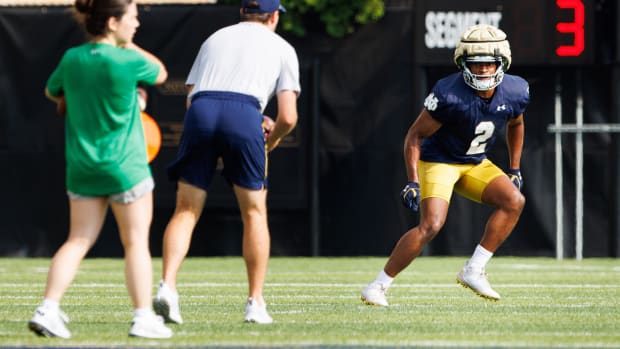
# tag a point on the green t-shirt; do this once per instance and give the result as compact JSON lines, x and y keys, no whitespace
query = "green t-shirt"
{"x":104,"y":141}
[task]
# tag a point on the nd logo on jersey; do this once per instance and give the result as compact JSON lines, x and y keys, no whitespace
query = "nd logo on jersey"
{"x":430,"y":103}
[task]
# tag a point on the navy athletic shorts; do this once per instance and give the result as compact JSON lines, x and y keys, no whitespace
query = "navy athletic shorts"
{"x":227,"y":125}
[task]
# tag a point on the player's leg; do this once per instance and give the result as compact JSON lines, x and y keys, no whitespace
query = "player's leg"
{"x":486,"y":183}
{"x":433,"y":213}
{"x":508,"y":201}
{"x":86,"y":219}
{"x":256,"y":248}
{"x":436,"y":183}
{"x":133,"y":211}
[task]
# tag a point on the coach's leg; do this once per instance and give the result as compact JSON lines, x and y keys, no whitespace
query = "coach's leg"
{"x":178,"y":234}
{"x":256,"y":240}
{"x":177,"y":239}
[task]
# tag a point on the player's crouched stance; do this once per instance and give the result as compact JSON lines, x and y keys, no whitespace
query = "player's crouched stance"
{"x":445,"y":151}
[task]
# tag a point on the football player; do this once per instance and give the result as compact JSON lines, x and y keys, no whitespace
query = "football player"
{"x":445,"y":151}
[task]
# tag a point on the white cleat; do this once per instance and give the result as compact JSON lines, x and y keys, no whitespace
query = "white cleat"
{"x":149,"y":326}
{"x":256,"y":313}
{"x":374,"y":294}
{"x":476,"y":280}
{"x":49,"y":323}
{"x":166,"y":304}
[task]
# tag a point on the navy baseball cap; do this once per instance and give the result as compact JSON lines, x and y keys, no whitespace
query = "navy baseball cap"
{"x":264,"y":6}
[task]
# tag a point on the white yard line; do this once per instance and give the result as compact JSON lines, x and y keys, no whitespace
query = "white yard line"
{"x":335,"y":285}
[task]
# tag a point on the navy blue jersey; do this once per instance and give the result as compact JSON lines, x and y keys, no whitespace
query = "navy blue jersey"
{"x":470,"y":123}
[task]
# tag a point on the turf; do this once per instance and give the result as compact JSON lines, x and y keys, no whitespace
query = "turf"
{"x":315,"y":304}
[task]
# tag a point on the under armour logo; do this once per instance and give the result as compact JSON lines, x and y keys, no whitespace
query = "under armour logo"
{"x":501,"y":107}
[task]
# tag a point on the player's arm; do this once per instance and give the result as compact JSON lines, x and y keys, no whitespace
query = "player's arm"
{"x":423,"y":127}
{"x":286,"y":119}
{"x":515,"y":132}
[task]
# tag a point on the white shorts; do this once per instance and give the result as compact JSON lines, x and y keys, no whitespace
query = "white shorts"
{"x":126,"y":197}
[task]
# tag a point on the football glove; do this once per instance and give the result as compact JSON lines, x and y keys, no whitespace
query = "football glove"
{"x":515,"y":176}
{"x":411,"y":196}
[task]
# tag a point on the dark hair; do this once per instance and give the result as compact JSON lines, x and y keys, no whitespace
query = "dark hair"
{"x":94,"y":14}
{"x":256,"y":17}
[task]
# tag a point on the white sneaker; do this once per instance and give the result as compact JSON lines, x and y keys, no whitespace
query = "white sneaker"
{"x":374,"y":294}
{"x":256,"y":313}
{"x":149,"y":326}
{"x":166,"y":304}
{"x":49,"y":323}
{"x":476,"y":280}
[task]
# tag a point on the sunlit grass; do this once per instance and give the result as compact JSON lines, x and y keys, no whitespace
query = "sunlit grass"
{"x":315,"y":303}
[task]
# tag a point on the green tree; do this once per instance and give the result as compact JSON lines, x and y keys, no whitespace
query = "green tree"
{"x":338,"y":17}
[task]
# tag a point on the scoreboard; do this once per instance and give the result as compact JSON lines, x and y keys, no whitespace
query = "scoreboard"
{"x":540,"y":32}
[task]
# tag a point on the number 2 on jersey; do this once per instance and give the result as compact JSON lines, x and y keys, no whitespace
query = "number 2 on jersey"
{"x":484,"y":131}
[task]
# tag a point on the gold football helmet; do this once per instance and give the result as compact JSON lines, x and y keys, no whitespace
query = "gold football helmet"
{"x":483,"y":43}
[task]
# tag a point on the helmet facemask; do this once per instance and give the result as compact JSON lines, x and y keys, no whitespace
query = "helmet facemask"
{"x":480,"y":82}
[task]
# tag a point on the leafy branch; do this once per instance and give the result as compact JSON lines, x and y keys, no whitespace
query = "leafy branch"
{"x":338,"y":17}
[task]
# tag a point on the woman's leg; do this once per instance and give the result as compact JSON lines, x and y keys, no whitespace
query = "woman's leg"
{"x":86,"y":219}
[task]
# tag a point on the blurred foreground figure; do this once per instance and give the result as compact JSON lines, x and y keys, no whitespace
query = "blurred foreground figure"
{"x":95,"y":86}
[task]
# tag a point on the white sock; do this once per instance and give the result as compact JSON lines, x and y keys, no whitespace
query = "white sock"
{"x":140,"y":312}
{"x":481,"y":257}
{"x":384,"y":279}
{"x":50,"y":304}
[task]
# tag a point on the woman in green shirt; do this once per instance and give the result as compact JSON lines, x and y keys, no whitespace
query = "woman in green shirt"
{"x":95,"y":86}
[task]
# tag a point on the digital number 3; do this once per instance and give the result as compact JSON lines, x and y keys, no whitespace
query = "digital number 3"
{"x":575,"y":27}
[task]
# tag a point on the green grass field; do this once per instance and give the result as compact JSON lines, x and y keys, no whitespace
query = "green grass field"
{"x":315,"y":303}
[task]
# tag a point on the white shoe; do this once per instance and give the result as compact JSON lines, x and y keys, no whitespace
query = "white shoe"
{"x":476,"y":280}
{"x":166,"y":304}
{"x":256,"y":313}
{"x":149,"y":326}
{"x":374,"y":294}
{"x":49,"y":323}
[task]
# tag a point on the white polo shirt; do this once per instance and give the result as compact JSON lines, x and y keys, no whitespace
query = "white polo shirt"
{"x":245,"y":58}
